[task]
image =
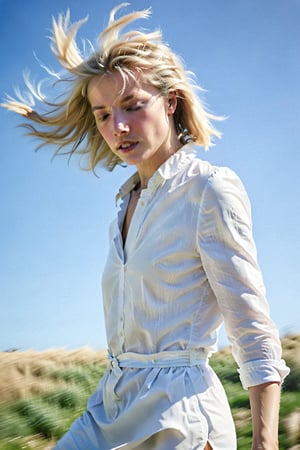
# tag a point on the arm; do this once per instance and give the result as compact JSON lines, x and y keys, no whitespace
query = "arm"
{"x":229,"y":258}
{"x":264,"y":400}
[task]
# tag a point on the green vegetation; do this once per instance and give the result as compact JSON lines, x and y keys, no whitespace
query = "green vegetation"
{"x":37,"y":420}
{"x":44,"y":418}
{"x":289,"y":434}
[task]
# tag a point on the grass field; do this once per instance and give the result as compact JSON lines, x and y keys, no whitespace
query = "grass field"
{"x":42,"y":393}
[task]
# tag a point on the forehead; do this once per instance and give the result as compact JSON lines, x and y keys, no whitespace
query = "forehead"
{"x":112,"y":88}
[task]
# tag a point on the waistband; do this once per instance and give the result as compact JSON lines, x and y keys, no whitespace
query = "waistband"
{"x":180,"y":358}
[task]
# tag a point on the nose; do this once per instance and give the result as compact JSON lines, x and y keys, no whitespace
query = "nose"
{"x":121,"y":125}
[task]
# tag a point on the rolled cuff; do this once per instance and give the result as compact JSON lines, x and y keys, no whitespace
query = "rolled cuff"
{"x":261,"y":371}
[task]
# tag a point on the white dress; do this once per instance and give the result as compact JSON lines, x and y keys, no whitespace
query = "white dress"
{"x":189,"y":263}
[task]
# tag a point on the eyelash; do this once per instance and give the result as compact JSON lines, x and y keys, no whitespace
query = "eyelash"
{"x":135,"y":107}
{"x":102,"y":118}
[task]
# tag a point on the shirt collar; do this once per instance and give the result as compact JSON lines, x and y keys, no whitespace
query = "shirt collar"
{"x":165,"y":172}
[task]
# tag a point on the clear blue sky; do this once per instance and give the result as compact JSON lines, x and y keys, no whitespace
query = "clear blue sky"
{"x":54,"y":217}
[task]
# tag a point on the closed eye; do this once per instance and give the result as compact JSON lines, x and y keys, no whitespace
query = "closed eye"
{"x":102,"y":117}
{"x":135,"y":106}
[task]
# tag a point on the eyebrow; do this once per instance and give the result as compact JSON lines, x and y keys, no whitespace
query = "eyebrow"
{"x":124,"y":100}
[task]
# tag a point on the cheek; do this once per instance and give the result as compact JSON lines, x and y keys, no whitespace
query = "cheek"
{"x":159,"y":122}
{"x":109,"y":139}
{"x":107,"y":136}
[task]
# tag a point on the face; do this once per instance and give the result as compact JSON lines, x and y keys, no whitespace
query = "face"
{"x":135,"y":121}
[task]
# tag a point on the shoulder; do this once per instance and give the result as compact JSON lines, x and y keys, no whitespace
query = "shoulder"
{"x":213,"y":174}
{"x":214,"y":178}
{"x":219,"y":187}
{"x":224,"y":181}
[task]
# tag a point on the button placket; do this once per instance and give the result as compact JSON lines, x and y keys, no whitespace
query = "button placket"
{"x":122,"y":307}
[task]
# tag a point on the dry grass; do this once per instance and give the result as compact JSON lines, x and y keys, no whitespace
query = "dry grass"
{"x":24,"y":373}
{"x":291,"y":348}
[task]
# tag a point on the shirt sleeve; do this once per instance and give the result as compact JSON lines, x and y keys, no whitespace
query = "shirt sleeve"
{"x":229,"y":258}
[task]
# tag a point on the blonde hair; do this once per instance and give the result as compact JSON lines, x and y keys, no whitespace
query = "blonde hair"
{"x":68,"y":122}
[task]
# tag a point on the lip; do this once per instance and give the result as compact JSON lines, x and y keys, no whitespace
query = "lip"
{"x":127,"y":146}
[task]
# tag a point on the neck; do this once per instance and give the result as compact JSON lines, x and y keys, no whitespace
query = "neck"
{"x":146,"y":170}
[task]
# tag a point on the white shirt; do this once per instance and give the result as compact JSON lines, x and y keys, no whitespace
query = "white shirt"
{"x":189,"y":262}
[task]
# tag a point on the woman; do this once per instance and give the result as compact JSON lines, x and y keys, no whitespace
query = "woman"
{"x":182,"y":257}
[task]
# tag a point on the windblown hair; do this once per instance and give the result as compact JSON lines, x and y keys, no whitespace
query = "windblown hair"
{"x":68,"y":122}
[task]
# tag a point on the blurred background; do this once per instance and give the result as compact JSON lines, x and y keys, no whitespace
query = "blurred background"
{"x":55,"y":217}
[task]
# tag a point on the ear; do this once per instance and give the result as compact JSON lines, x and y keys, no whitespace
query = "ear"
{"x":172,"y":103}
